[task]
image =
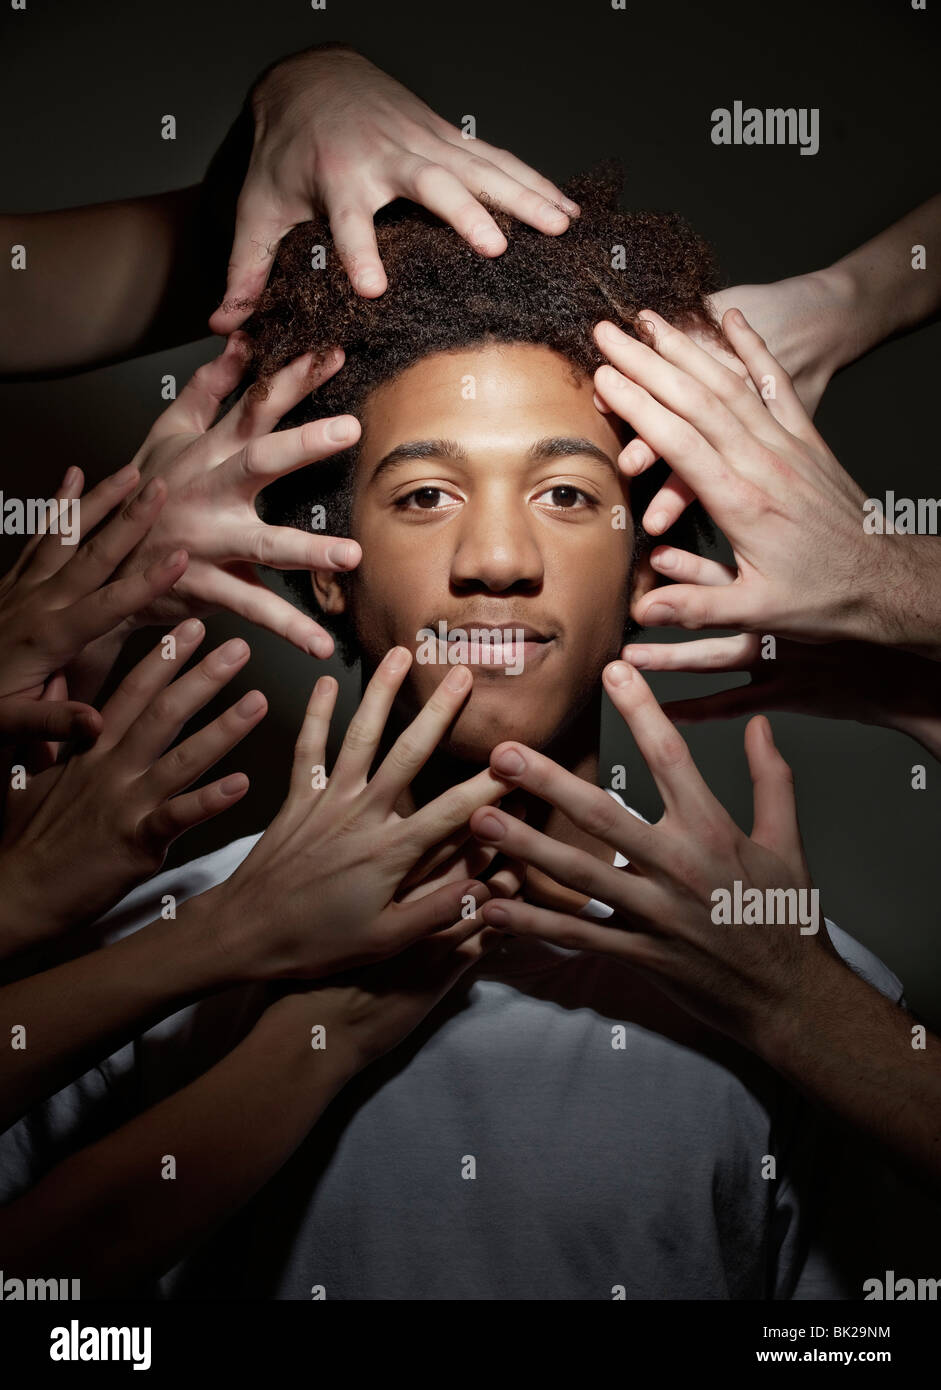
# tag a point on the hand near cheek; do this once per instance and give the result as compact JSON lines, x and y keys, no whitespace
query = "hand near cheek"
{"x":805,"y":564}
{"x":213,"y":474}
{"x":744,"y":979}
{"x":833,"y":680}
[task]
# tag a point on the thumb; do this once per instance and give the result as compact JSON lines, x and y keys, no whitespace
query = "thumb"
{"x":51,"y":720}
{"x":775,"y":823}
{"x":257,"y":235}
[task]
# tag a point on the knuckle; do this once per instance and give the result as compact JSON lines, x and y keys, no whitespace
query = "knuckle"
{"x":357,"y":737}
{"x":178,"y":760}
{"x":669,"y":751}
{"x":404,"y":753}
{"x":600,"y":816}
{"x":160,"y":709}
{"x":260,"y":547}
{"x":425,"y":177}
{"x":311,"y":436}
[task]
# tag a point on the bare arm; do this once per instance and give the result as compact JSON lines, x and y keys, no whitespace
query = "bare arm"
{"x":111,"y":1216}
{"x":105,"y":283}
{"x":227,"y":1133}
{"x":863,"y":1058}
{"x":85,"y":1009}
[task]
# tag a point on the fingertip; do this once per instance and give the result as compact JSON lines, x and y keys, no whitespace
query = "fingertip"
{"x":618,"y":674}
{"x":369,"y":283}
{"x":235,"y":785}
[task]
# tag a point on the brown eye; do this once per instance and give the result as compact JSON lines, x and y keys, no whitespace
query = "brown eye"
{"x":565,"y":496}
{"x":426,"y":499}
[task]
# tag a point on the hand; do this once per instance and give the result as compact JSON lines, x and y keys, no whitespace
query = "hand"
{"x":56,"y":601}
{"x":802,"y":321}
{"x":82,"y":834}
{"x":794,"y":518}
{"x":335,"y":135}
{"x":836,"y":680}
{"x":371,"y":1010}
{"x":745,"y":980}
{"x":215,"y":472}
{"x":319,"y":891}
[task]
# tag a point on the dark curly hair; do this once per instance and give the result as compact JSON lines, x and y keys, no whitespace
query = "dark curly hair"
{"x":443,"y":295}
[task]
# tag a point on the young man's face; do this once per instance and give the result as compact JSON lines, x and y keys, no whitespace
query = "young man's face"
{"x":487,"y":496}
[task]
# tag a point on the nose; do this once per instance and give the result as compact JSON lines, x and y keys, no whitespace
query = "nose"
{"x":496,"y":544}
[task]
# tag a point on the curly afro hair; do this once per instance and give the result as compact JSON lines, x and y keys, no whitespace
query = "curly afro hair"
{"x":443,"y":295}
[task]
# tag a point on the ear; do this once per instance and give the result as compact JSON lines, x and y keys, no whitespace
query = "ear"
{"x":328,"y":591}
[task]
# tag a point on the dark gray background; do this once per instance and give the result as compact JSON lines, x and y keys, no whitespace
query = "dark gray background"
{"x":83,"y":90}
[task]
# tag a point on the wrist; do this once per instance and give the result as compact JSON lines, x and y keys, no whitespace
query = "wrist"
{"x":221,"y":921}
{"x":841,"y":295}
{"x":904,"y":606}
{"x":24,"y":921}
{"x":306,"y":1030}
{"x":783,"y":1037}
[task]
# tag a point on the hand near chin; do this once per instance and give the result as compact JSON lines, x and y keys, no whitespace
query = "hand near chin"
{"x":327,"y":887}
{"x":213,"y":474}
{"x":689,"y":908}
{"x":333,"y":134}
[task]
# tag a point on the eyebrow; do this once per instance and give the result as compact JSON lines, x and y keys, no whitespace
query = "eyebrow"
{"x":554,"y":447}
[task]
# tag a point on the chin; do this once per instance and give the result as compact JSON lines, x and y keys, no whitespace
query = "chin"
{"x":478,"y":730}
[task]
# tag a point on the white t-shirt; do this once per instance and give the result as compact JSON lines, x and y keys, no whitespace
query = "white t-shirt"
{"x":555,"y":1129}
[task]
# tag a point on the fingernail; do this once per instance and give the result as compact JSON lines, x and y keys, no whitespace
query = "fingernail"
{"x":191,"y":629}
{"x":667,"y":561}
{"x":571,"y":208}
{"x":490,"y":828}
{"x":737,"y":317}
{"x":657,"y":522}
{"x":618,"y":673}
{"x":233,"y":651}
{"x":659,"y":613}
{"x":150,"y":491}
{"x":339,"y":554}
{"x":175,"y":559}
{"x":71,"y":477}
{"x":250,"y":704}
{"x":553,"y":216}
{"x":369,"y":281}
{"x":125,"y":475}
{"x":637,"y":658}
{"x":457,"y":679}
{"x":320,"y":647}
{"x":495,"y":916}
{"x":509,"y":762}
{"x":339,"y":429}
{"x":397,"y":659}
{"x":233,"y":784}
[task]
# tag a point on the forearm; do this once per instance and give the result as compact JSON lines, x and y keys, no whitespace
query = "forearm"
{"x":68,"y":1017}
{"x":104,"y":283}
{"x":879,"y":286}
{"x":112,"y":1217}
{"x":854,"y":1052}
